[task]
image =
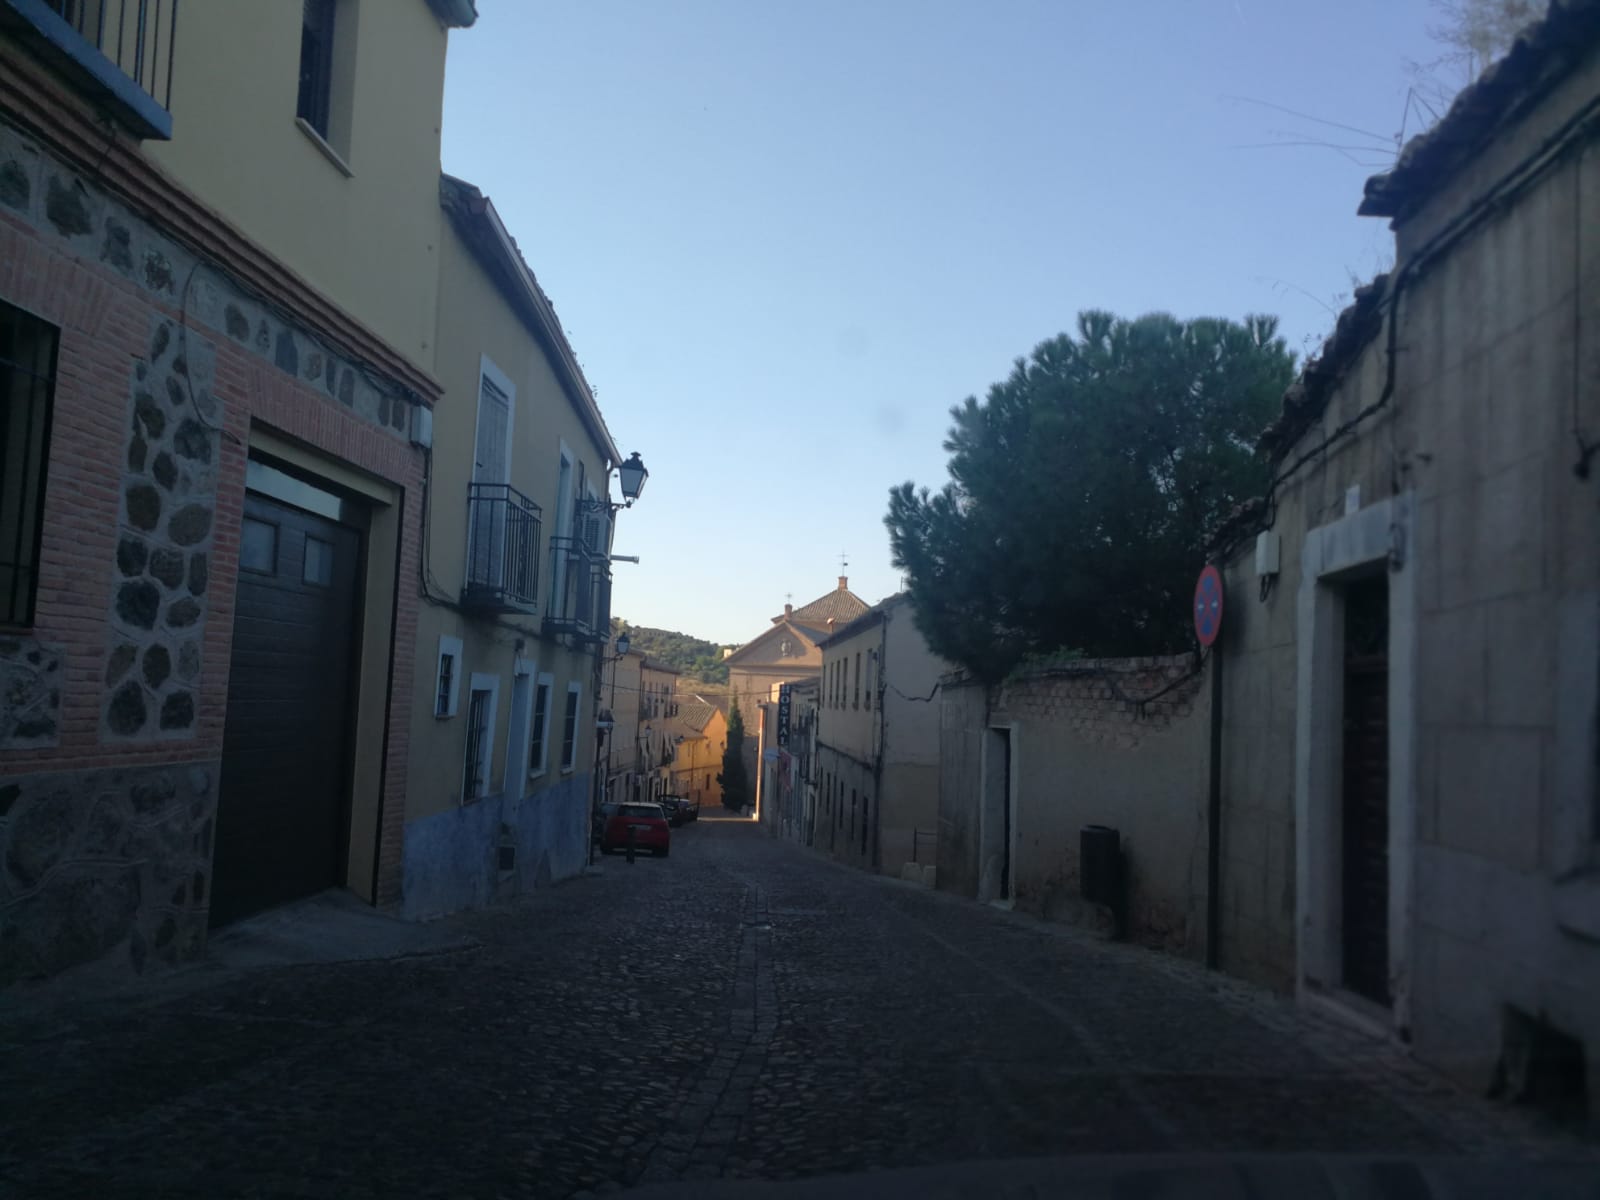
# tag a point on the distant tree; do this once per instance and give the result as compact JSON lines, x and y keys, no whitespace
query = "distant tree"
{"x":1477,"y":32}
{"x":1474,"y":33}
{"x":1082,"y":490}
{"x":734,"y":779}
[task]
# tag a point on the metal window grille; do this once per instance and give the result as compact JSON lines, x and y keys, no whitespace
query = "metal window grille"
{"x":316,"y":64}
{"x":472,"y":783}
{"x":569,"y":735}
{"x":27,"y":392}
{"x":447,"y":670}
{"x":541,"y":713}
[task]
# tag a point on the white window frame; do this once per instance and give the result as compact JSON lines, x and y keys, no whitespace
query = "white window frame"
{"x":452,"y":647}
{"x":573,"y":689}
{"x":484,"y":681}
{"x":536,"y":769}
{"x":502,"y":382}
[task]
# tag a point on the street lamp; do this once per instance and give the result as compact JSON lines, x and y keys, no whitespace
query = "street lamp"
{"x":631,"y":476}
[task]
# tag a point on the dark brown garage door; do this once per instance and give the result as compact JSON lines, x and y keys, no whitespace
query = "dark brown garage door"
{"x":282,"y":816}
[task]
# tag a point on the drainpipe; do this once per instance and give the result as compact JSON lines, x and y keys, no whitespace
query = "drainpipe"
{"x":882,"y":741}
{"x":1214,"y":818}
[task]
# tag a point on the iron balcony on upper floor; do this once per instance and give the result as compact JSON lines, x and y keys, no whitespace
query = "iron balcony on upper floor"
{"x":580,"y":593}
{"x":118,"y":53}
{"x":502,"y":550}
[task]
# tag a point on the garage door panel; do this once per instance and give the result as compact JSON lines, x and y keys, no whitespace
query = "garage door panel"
{"x":283,"y":807}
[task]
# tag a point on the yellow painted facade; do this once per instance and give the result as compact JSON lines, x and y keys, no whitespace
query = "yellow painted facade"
{"x":357,"y":215}
{"x":512,"y":655}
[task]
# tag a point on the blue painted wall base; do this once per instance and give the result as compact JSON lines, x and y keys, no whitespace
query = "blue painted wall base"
{"x":452,"y":860}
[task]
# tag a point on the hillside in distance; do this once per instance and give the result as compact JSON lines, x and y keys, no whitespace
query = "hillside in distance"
{"x":696,"y":658}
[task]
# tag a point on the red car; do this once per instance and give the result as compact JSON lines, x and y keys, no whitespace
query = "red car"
{"x":647,"y":823}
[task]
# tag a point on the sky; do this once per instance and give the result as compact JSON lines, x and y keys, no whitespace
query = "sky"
{"x":785,"y":238}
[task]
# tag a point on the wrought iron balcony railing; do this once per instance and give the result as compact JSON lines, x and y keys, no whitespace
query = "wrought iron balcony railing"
{"x":118,"y":52}
{"x":580,"y":592}
{"x":502,"y":549}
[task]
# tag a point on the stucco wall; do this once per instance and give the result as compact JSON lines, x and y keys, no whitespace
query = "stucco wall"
{"x":453,"y":859}
{"x":1496,"y":899}
{"x":1082,"y":754}
{"x":235,"y":144}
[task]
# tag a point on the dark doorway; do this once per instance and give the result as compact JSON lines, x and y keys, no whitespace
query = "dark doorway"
{"x":284,"y":801}
{"x":997,"y":808}
{"x":1364,"y":843}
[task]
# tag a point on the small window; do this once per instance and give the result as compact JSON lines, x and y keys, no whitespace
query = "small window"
{"x":258,"y":546}
{"x":866,"y":699}
{"x":856,"y":686}
{"x":865,"y":802}
{"x":447,"y":685}
{"x":27,"y":385}
{"x":541,"y":725}
{"x":447,"y":681}
{"x":569,"y":732}
{"x":475,"y":780}
{"x":318,"y":567}
{"x":316,"y":65}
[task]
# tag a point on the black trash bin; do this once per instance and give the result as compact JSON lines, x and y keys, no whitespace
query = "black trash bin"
{"x":1100,"y":864}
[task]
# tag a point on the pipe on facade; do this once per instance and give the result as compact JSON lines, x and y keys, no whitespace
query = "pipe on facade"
{"x":1214,"y":821}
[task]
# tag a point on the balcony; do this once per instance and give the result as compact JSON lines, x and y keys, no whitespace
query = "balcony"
{"x":502,"y":550}
{"x":580,"y":593}
{"x":116,"y":52}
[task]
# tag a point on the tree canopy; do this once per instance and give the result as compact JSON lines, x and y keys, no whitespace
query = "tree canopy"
{"x":1083,"y":488}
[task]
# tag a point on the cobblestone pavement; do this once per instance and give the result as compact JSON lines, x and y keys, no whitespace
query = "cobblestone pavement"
{"x":740,"y":1009}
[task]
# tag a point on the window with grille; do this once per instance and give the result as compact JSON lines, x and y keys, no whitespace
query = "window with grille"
{"x":856,"y":686}
{"x":447,"y":676}
{"x":569,"y":732}
{"x":316,"y":65}
{"x":27,"y":388}
{"x":541,"y":724}
{"x":475,"y":776}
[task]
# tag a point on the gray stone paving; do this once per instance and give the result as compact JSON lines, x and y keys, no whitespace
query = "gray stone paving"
{"x":741,"y":1010}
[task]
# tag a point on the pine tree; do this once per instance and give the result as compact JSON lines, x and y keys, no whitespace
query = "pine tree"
{"x":735,"y":780}
{"x":1083,"y":488}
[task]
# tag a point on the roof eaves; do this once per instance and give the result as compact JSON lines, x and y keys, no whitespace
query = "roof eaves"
{"x":873,"y":616}
{"x":475,"y":215}
{"x":1545,"y":53}
{"x":455,"y":14}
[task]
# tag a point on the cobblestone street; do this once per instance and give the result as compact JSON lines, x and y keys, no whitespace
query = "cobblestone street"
{"x":740,"y":1009}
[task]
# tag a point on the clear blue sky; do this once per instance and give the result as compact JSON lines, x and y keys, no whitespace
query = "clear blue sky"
{"x":786,"y":237}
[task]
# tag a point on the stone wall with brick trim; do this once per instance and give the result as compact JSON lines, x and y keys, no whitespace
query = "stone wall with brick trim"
{"x":1092,"y":742}
{"x":153,"y":342}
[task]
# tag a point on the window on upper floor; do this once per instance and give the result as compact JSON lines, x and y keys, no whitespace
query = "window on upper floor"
{"x":856,"y":685}
{"x":27,"y":387}
{"x":327,"y":68}
{"x":316,"y":65}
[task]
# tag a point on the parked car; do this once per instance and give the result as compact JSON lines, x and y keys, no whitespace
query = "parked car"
{"x":680,"y":809}
{"x":648,"y":824}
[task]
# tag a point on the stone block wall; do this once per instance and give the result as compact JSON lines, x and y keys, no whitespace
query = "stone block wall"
{"x":111,"y":865}
{"x":113,"y":705}
{"x":159,"y":602}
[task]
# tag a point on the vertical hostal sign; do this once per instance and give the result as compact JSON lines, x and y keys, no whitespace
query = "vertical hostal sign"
{"x":783,"y":716}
